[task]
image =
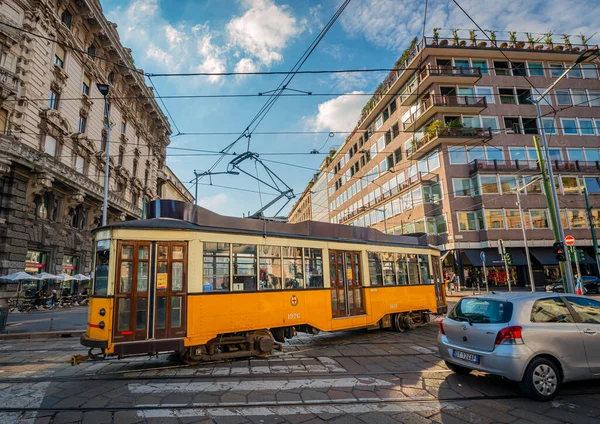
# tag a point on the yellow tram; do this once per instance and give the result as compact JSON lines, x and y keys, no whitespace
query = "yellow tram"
{"x":210,"y":287}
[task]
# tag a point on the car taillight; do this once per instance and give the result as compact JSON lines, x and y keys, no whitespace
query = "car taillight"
{"x":509,"y":335}
{"x":442,"y":327}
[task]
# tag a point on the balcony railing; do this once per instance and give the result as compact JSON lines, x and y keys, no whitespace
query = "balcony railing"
{"x":484,"y":42}
{"x":8,"y":80}
{"x":448,"y":132}
{"x":444,"y":101}
{"x":516,"y":165}
{"x":438,"y":71}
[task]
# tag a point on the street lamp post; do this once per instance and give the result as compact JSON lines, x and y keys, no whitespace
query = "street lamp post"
{"x":104,"y":89}
{"x":585,"y":55}
{"x":529,"y":268}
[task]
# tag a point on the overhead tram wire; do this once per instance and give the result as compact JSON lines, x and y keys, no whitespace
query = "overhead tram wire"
{"x":497,"y":48}
{"x":165,"y":106}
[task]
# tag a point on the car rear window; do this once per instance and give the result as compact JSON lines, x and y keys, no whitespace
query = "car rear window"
{"x":482,"y":311}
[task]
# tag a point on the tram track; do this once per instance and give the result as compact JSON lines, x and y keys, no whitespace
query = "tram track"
{"x":434,"y":401}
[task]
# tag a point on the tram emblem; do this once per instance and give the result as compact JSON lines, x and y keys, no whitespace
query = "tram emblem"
{"x":294,"y":300}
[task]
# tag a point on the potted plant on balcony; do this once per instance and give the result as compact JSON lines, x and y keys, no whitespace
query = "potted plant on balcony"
{"x":513,"y":38}
{"x":455,"y":37}
{"x":567,"y":41}
{"x":585,"y":40}
{"x":436,"y":36}
{"x":492,"y":37}
{"x":473,"y":37}
{"x":435,"y":129}
{"x":548,"y":40}
{"x":531,"y":39}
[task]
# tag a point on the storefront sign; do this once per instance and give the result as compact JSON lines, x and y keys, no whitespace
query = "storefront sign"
{"x":34,"y":265}
{"x":161,"y":281}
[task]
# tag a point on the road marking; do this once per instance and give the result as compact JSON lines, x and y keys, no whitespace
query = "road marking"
{"x":21,"y":395}
{"x":289,"y":410}
{"x":223,"y":386}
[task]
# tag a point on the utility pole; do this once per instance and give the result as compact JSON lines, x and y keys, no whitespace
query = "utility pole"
{"x":529,"y":268}
{"x":502,"y":251}
{"x":104,"y":89}
{"x":588,"y":209}
{"x":559,"y":235}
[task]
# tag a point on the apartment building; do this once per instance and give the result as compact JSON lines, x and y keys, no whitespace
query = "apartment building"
{"x":448,"y":139}
{"x":174,"y":189}
{"x":53,"y":141}
{"x":302,"y":209}
{"x":313,"y":203}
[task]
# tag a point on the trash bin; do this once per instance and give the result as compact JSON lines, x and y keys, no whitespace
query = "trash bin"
{"x":3,"y":317}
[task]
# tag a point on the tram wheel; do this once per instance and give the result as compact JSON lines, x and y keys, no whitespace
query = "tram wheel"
{"x":264,"y":343}
{"x":397,"y":323}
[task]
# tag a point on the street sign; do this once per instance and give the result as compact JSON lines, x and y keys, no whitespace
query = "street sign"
{"x":569,"y":240}
{"x":482,"y":256}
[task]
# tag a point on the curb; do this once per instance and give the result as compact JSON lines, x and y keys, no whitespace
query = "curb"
{"x":43,"y":335}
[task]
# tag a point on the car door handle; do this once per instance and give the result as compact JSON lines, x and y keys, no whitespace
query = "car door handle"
{"x":589,"y":331}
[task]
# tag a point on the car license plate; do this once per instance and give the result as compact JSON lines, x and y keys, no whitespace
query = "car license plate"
{"x":471,"y":357}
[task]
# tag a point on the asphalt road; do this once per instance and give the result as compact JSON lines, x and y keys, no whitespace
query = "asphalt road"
{"x":74,"y":318}
{"x":345,"y":377}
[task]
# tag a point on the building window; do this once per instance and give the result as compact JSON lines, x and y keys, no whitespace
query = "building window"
{"x":135,"y":197}
{"x":82,"y":124}
{"x":3,"y":121}
{"x":135,"y":167}
{"x":53,"y":99}
{"x":592,"y":185}
{"x":577,"y":218}
{"x":50,"y":145}
{"x":570,"y":185}
{"x":535,"y":69}
{"x":103,"y":142}
{"x":569,"y":126}
{"x":86,"y":84}
{"x":111,"y":78}
{"x":482,"y":64}
{"x":146,"y":176}
{"x":123,"y":126}
{"x":121,"y":154}
{"x":502,"y":68}
{"x":35,"y":262}
{"x":462,"y":187}
{"x":549,"y":126}
{"x":66,"y":18}
{"x":467,"y":221}
{"x":575,"y":154}
{"x":489,"y":184}
{"x":539,"y":218}
{"x":513,"y":219}
{"x":556,"y":70}
{"x":589,"y":71}
{"x":80,"y":164}
{"x":574,"y":73}
{"x":494,"y":219}
{"x":91,"y":51}
{"x":458,"y":155}
{"x":59,"y":56}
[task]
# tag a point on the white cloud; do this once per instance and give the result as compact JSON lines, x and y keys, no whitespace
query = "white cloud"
{"x":245,"y":65}
{"x":338,"y":114}
{"x":349,"y":81}
{"x":213,"y":58}
{"x":392,"y":24}
{"x":213,"y":203}
{"x":264,"y":30}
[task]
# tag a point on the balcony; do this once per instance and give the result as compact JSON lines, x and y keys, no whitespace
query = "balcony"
{"x":446,"y":135}
{"x":439,"y":74}
{"x":468,"y":105}
{"x":8,"y":83}
{"x":520,"y":165}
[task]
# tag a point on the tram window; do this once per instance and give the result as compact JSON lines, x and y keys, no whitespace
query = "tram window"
{"x":125,"y":277}
{"x":124,"y":313}
{"x":292,"y":268}
{"x":313,"y":267}
{"x":141,"y":309}
{"x":413,"y":269}
{"x":177,"y":252}
{"x":177,"y":276}
{"x":424,"y":269}
{"x":216,"y":267}
{"x":269,"y":274}
{"x":101,"y":274}
{"x":388,"y":269}
{"x":375,"y":271}
{"x":176,"y":312}
{"x":244,"y":267}
{"x":402,"y":268}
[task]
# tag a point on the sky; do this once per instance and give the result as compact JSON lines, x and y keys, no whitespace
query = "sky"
{"x":182,"y":36}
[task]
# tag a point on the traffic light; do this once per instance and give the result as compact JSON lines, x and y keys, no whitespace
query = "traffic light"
{"x":559,"y":249}
{"x":508,"y":258}
{"x":580,"y":255}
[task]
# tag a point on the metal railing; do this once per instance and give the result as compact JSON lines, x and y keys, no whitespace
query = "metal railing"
{"x":450,"y":132}
{"x":440,"y":100}
{"x":516,"y":165}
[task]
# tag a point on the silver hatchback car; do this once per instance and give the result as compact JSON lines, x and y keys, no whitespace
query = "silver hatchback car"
{"x":538,"y":339}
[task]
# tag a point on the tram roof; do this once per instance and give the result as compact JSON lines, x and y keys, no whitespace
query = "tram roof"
{"x":175,"y":215}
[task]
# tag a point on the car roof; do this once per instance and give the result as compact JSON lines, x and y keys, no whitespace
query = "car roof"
{"x":518,"y":296}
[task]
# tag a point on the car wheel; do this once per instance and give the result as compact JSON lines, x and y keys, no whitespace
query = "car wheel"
{"x":541,"y":380}
{"x":457,"y":369}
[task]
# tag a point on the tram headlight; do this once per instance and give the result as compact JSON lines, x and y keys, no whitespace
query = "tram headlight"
{"x":101,"y":325}
{"x":102,"y":312}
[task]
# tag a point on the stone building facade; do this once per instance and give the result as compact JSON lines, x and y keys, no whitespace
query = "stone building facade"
{"x":175,"y":189}
{"x":53,"y":138}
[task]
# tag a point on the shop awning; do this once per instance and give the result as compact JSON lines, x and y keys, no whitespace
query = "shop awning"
{"x":544,"y":255}
{"x":492,"y":257}
{"x":443,"y":256}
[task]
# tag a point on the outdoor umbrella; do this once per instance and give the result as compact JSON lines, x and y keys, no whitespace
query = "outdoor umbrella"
{"x":65,"y":277}
{"x":81,"y":277}
{"x":47,"y":276}
{"x":18,"y":277}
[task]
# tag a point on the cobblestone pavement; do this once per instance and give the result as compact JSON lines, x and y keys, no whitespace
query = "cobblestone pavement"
{"x":347,"y":377}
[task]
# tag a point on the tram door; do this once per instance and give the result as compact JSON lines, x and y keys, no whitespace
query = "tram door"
{"x":169,"y":307}
{"x":132,"y":291}
{"x":346,"y":284}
